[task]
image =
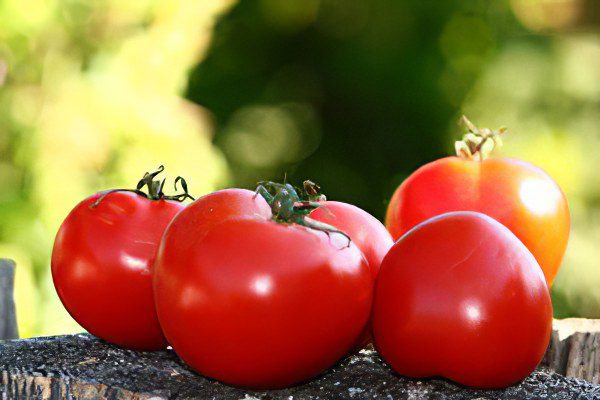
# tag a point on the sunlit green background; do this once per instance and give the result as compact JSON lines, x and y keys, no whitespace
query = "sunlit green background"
{"x":352,"y":94}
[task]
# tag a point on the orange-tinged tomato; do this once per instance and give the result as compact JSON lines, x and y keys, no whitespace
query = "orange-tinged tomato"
{"x":516,"y":193}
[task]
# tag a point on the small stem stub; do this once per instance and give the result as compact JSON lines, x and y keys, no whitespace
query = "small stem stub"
{"x":290,"y":205}
{"x":478,"y":143}
{"x":154,"y":188}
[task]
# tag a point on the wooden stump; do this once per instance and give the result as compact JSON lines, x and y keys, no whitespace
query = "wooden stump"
{"x":8,"y":317}
{"x":574,"y":349}
{"x":83,"y":367}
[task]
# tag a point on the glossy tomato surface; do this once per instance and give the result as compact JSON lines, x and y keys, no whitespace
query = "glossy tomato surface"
{"x":255,"y":303}
{"x":460,"y":296}
{"x":369,"y":235}
{"x":101,"y":267}
{"x":516,"y":193}
{"x":202,"y":215}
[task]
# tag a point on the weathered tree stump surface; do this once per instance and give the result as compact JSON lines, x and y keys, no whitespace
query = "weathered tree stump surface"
{"x":83,"y":367}
{"x":8,"y":318}
{"x":574,"y":349}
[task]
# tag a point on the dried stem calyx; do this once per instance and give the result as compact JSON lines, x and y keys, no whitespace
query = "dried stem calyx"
{"x":478,"y":143}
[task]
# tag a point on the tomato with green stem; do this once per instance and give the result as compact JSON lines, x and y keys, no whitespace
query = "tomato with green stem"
{"x":252,"y":292}
{"x":516,"y":193}
{"x":102,"y":258}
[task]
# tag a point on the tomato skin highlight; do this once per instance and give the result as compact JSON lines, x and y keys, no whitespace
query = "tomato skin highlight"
{"x":459,"y":296}
{"x":101,"y":267}
{"x":258,"y":304}
{"x":516,"y":193}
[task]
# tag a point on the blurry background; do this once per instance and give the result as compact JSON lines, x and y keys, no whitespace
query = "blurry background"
{"x":352,"y":94}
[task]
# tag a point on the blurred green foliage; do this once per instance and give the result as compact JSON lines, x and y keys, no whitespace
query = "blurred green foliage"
{"x":91,"y":100}
{"x":352,"y":94}
{"x":356,"y":95}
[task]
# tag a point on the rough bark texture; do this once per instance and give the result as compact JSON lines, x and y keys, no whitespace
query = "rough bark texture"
{"x":8,"y":318}
{"x":83,"y":367}
{"x":575,"y":349}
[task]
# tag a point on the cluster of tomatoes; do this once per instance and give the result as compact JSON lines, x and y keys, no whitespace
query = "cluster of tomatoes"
{"x":269,"y":288}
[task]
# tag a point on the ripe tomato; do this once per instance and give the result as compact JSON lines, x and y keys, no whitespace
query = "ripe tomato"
{"x":460,"y":296}
{"x":253,"y":302}
{"x":369,"y":235}
{"x":518,"y":194}
{"x":101,"y":265}
{"x":214,"y":208}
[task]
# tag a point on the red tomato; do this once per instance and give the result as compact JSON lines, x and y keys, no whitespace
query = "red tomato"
{"x":214,"y":208}
{"x":101,"y":266}
{"x":460,"y":296}
{"x":256,"y":303}
{"x":519,"y":195}
{"x":369,"y":235}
